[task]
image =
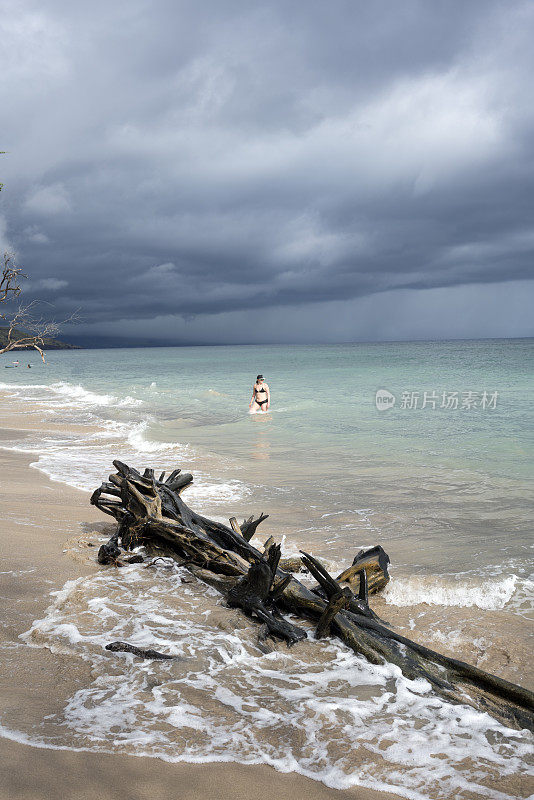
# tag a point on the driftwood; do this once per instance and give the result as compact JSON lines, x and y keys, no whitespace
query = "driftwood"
{"x":151,"y":512}
{"x":124,"y":647}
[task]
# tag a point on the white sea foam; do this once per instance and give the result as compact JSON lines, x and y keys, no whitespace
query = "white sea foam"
{"x":59,"y":456}
{"x":136,"y":437}
{"x":78,"y":394}
{"x":522,"y":600}
{"x":22,"y":387}
{"x":229,"y":492}
{"x":70,"y":393}
{"x":318,"y":709}
{"x":439,"y":590}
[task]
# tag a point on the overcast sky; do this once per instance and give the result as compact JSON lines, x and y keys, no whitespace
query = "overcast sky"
{"x":227,"y":171}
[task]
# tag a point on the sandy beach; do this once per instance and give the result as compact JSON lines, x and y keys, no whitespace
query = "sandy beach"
{"x":39,"y":517}
{"x":267,"y":355}
{"x":82,"y":724}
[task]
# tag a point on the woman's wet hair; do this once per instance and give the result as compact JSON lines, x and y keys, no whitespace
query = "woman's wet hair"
{"x":259,"y":377}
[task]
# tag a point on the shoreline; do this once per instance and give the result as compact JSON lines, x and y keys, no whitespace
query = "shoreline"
{"x":39,"y":517}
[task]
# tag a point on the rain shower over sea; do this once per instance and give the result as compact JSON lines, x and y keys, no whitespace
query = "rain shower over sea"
{"x":440,"y":476}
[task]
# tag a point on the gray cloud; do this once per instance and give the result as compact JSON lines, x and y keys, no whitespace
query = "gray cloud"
{"x":178,"y":167}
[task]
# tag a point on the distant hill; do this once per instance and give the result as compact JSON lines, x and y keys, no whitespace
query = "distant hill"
{"x":49,"y":344}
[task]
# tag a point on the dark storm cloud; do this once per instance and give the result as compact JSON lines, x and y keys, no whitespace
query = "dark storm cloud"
{"x":170,"y":159}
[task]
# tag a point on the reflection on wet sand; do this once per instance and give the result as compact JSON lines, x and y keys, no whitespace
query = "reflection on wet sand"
{"x":261,"y":448}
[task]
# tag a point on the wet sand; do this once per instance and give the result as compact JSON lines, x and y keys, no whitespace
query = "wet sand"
{"x":38,"y":517}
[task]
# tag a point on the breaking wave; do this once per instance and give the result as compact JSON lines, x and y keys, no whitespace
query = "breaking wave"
{"x":437,"y":590}
{"x":317,"y":709}
{"x":112,"y":427}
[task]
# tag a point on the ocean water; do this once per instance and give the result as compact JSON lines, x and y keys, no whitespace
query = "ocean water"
{"x":442,"y":480}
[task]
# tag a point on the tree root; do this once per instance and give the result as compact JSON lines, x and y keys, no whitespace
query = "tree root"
{"x":151,"y":513}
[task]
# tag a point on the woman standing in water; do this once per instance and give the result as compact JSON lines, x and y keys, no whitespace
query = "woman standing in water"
{"x":261,"y":396}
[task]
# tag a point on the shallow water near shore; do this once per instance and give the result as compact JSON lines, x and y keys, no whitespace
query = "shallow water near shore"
{"x":446,"y":491}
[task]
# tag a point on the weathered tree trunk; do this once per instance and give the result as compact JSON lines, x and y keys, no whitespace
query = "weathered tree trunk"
{"x":151,"y":512}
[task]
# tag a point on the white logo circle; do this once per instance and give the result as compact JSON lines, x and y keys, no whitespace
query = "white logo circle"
{"x":384,"y":400}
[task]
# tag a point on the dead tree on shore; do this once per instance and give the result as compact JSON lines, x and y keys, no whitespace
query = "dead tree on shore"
{"x":151,"y":512}
{"x":24,"y":329}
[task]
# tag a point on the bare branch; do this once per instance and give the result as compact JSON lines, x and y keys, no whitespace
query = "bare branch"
{"x":27,"y":329}
{"x":10,"y":278}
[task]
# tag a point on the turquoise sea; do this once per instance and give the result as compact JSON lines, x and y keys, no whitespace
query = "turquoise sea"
{"x":450,"y":475}
{"x":442,"y":479}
